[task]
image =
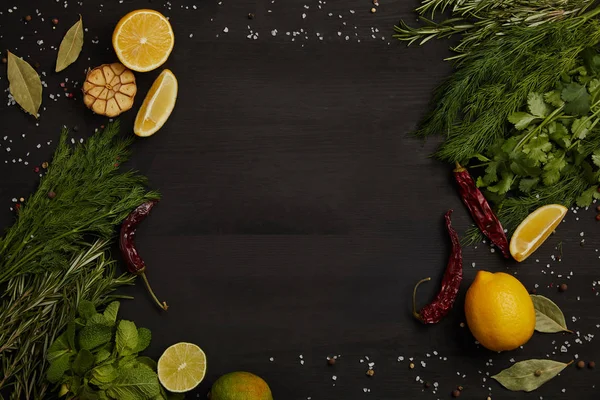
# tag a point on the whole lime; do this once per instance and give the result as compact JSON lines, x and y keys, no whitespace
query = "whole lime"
{"x":240,"y":386}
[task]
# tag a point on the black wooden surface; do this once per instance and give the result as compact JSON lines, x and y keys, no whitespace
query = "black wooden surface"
{"x":297,"y":212}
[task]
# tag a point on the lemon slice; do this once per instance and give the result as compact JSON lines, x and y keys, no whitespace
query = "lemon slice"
{"x":143,"y":40}
{"x":181,"y":367}
{"x":535,"y":229}
{"x":157,"y":105}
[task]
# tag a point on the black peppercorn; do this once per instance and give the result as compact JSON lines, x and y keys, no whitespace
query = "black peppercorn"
{"x":28,"y":18}
{"x":580,"y":364}
{"x":251,"y":15}
{"x":563,"y":287}
{"x":456,"y":393}
{"x":55,"y":21}
{"x":591,"y":365}
{"x":331,"y":361}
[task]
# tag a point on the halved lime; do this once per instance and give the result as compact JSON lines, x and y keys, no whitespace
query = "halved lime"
{"x":181,"y":367}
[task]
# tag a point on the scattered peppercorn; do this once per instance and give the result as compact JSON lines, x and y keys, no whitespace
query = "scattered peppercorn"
{"x":4,"y":60}
{"x":563,"y":287}
{"x":36,"y":169}
{"x":460,"y":388}
{"x":598,"y":189}
{"x":370,"y":372}
{"x":51,"y":194}
{"x":373,"y":10}
{"x":598,"y":217}
{"x":331,"y":361}
{"x":456,"y":393}
{"x":427,"y":385}
{"x":538,"y":372}
{"x":591,"y":365}
{"x":598,"y":208}
{"x":376,"y":2}
{"x":533,"y":291}
{"x":251,"y":15}
{"x":28,"y":18}
{"x":45,"y":164}
{"x":76,"y":128}
{"x":55,"y":21}
{"x":580,"y":364}
{"x":37,"y":65}
{"x":411,"y":366}
{"x":21,"y":199}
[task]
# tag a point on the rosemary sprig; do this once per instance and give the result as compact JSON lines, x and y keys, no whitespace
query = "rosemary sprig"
{"x":89,"y":197}
{"x":37,"y":307}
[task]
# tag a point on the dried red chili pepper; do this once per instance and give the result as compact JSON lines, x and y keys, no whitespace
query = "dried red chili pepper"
{"x":135,"y":263}
{"x":443,"y":302}
{"x":480,"y":210}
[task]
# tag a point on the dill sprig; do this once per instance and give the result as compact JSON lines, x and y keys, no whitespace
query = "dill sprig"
{"x":472,"y":106}
{"x":83,"y":194}
{"x":36,"y":308}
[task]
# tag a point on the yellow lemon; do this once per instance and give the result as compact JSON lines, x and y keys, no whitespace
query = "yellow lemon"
{"x":181,"y":367}
{"x":143,"y":40}
{"x":157,"y":105}
{"x":499,"y":311}
{"x":535,"y":229}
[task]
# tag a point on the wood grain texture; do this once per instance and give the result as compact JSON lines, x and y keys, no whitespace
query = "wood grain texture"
{"x":297,"y":211}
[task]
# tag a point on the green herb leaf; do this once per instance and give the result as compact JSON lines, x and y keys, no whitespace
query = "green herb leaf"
{"x":526,"y":184}
{"x":147,"y":361}
{"x":596,"y":158}
{"x":577,"y":99}
{"x":537,"y":106}
{"x":111,"y":311}
{"x":521,"y":119}
{"x":504,"y":184}
{"x":580,"y":127}
{"x":530,"y":374}
{"x":102,"y":355}
{"x":58,"y":367}
{"x":127,"y":338}
{"x":25,"y":85}
{"x":559,"y":134}
{"x":586,"y":197}
{"x":93,"y":336}
{"x":134,"y":384}
{"x":103,"y":374}
{"x":144,"y":338}
{"x":86,"y":309}
{"x":70,"y":47}
{"x":59,"y":347}
{"x":554,"y":98}
{"x":83,"y":362}
{"x":548,"y":317}
{"x":537,"y":148}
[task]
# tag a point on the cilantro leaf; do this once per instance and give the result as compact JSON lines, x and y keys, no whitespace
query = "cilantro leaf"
{"x":554,"y":98}
{"x":586,"y":198}
{"x":536,"y":105}
{"x":134,"y":384}
{"x":127,"y":338}
{"x":554,"y":166}
{"x":491,"y":174}
{"x":504,"y":185}
{"x":480,"y":183}
{"x":537,"y":148}
{"x":580,"y":127}
{"x":596,"y":158}
{"x":559,"y":134}
{"x":520,"y":119}
{"x":526,"y":184}
{"x":577,"y":99}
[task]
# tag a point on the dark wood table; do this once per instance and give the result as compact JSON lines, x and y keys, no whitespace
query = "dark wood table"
{"x":297,"y":212}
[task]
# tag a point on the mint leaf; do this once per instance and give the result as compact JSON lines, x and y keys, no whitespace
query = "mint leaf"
{"x":144,"y":338}
{"x":527,"y":184}
{"x":84,"y":361}
{"x":134,"y":384}
{"x":580,"y":127}
{"x":111,"y":311}
{"x":147,"y":361}
{"x":127,"y":338}
{"x":536,"y":105}
{"x":99,"y":319}
{"x":58,"y":367}
{"x":554,"y":98}
{"x":585,"y":199}
{"x":577,"y":99}
{"x":92,"y":336}
{"x":521,"y":119}
{"x":103,"y":374}
{"x":59,"y":347}
{"x":102,"y":355}
{"x":86,"y":309}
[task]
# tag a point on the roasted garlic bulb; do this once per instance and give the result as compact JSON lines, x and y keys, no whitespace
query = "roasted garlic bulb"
{"x":109,"y":89}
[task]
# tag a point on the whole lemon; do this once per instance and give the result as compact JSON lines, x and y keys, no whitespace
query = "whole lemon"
{"x":240,"y":386}
{"x":499,"y":311}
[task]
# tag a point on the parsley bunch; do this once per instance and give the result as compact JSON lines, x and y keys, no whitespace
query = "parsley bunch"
{"x":97,"y":357}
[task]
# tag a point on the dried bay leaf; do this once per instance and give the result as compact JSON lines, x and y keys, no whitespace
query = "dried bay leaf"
{"x":24,"y":84}
{"x":530,"y":374}
{"x":548,"y":317}
{"x":71,"y":46}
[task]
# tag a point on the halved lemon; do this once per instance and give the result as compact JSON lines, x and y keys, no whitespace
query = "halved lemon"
{"x":181,"y":367}
{"x":535,"y":229}
{"x":157,"y":105}
{"x":143,"y":40}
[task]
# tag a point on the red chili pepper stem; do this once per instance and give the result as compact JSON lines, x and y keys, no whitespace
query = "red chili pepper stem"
{"x":459,"y":168}
{"x":163,"y":304}
{"x":415,"y":312}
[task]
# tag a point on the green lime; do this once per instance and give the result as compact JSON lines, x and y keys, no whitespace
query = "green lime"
{"x":240,"y":386}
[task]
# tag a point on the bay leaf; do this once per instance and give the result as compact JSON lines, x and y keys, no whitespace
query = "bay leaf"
{"x":24,"y":84}
{"x":529,"y":375}
{"x":548,"y":317}
{"x":71,"y":46}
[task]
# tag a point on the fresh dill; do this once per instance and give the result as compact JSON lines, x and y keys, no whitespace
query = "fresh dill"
{"x":90,"y":195}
